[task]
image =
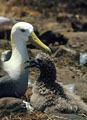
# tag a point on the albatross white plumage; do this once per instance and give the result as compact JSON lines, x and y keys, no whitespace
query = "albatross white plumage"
{"x":16,"y":81}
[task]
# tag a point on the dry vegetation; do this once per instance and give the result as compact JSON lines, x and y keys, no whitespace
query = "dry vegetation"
{"x":35,"y":116}
{"x":30,"y":116}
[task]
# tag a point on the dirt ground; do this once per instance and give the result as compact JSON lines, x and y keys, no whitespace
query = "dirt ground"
{"x":62,"y":26}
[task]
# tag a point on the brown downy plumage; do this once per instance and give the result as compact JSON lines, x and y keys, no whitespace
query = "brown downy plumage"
{"x":49,"y":96}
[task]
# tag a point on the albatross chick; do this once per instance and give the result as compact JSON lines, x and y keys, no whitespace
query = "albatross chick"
{"x":51,"y":96}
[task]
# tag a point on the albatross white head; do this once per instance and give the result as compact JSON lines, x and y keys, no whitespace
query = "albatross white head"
{"x":21,"y":33}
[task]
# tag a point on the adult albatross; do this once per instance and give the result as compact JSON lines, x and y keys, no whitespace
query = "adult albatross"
{"x":14,"y":83}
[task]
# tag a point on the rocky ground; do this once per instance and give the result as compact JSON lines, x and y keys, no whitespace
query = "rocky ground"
{"x":62,"y":26}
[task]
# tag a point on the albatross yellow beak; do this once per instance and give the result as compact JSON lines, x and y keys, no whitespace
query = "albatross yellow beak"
{"x":34,"y":40}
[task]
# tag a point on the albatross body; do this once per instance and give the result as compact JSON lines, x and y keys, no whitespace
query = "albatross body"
{"x":15,"y":82}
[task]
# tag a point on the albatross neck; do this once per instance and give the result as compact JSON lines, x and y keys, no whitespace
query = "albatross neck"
{"x":16,"y":62}
{"x":19,"y":51}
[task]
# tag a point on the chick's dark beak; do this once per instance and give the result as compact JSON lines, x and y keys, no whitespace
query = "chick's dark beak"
{"x":31,"y":63}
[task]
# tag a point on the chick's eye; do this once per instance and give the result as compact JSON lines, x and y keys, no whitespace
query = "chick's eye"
{"x":39,"y":60}
{"x":22,"y":30}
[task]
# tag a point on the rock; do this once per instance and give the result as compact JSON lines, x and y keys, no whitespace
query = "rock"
{"x":63,"y":50}
{"x":62,"y":17}
{"x":5,"y":19}
{"x":83,"y":58}
{"x":81,"y":90}
{"x":5,"y":27}
{"x":13,"y":106}
{"x":52,"y":37}
{"x":66,"y":76}
{"x":76,"y":40}
{"x":79,"y":26}
{"x":64,"y":56}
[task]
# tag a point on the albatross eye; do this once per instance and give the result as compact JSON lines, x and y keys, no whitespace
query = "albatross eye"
{"x":22,"y":30}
